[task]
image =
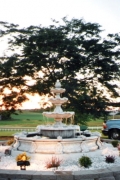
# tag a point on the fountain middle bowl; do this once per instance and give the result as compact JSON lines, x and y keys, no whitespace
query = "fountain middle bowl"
{"x":58,"y":101}
{"x":58,"y":116}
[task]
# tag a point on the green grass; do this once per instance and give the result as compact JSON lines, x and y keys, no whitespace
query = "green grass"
{"x":33,"y":118}
{"x":95,"y":123}
{"x":100,"y":122}
{"x":7,"y":133}
{"x":26,"y":119}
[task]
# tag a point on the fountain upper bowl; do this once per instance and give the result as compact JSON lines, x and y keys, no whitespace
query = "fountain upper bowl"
{"x":58,"y":90}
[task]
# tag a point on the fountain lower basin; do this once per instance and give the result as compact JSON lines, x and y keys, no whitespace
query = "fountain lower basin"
{"x":41,"y":146}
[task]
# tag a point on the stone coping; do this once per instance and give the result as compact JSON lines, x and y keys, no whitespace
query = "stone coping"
{"x":112,"y":173}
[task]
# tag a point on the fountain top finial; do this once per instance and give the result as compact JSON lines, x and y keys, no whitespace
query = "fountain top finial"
{"x":58,"y":84}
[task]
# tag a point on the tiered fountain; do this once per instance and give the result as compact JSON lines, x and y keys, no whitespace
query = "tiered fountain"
{"x":58,"y":130}
{"x":59,"y":138}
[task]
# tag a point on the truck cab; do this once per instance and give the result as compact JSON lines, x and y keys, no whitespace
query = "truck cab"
{"x":111,"y":128}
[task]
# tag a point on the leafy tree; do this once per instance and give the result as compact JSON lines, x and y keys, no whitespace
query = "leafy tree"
{"x":74,"y":53}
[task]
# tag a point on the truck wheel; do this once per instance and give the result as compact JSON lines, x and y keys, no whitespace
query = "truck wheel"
{"x":114,"y":134}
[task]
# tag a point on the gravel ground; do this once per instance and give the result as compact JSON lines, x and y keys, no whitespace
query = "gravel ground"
{"x":97,"y":157}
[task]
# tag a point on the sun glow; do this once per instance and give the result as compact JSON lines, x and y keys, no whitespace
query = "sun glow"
{"x":36,"y":102}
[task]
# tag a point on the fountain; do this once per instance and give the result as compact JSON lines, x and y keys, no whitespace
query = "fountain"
{"x":58,"y":129}
{"x":58,"y":139}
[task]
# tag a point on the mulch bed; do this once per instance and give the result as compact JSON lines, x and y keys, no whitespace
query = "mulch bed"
{"x":2,"y":138}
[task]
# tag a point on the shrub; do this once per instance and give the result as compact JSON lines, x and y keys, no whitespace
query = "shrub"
{"x":115,"y":143}
{"x":54,"y":162}
{"x":110,"y":159}
{"x":85,"y":161}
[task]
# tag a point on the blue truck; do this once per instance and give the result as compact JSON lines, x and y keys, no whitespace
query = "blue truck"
{"x":111,"y":128}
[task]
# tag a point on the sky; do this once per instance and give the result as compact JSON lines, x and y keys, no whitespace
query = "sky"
{"x":36,"y":12}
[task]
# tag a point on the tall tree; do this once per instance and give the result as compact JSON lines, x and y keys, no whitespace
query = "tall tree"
{"x":74,"y":53}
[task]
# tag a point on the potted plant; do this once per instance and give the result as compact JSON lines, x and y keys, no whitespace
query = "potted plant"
{"x":23,"y":161}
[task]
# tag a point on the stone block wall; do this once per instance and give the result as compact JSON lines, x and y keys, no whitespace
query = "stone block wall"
{"x":112,"y":173}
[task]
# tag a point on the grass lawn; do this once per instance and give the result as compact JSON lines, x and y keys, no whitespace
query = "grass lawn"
{"x":33,"y":118}
{"x":7,"y":133}
{"x":26,"y":119}
{"x":95,"y":123}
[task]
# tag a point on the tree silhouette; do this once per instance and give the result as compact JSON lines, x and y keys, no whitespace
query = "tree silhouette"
{"x":74,"y":52}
